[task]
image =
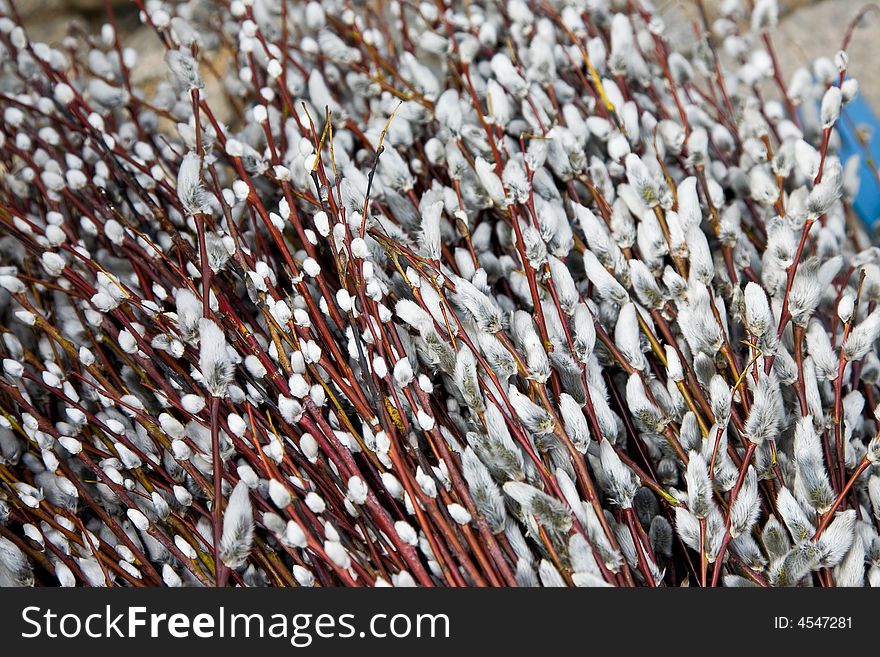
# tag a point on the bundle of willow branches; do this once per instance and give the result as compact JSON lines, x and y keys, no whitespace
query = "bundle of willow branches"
{"x":435,"y":294}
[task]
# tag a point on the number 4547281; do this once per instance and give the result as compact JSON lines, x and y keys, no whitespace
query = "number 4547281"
{"x":813,"y":622}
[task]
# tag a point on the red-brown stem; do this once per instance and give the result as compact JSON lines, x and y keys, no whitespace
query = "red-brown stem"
{"x":719,"y":560}
{"x":704,"y":562}
{"x":785,"y":315}
{"x":839,"y":443}
{"x":826,"y":137}
{"x":198,"y":124}
{"x":777,"y":77}
{"x":828,"y":517}
{"x":631,"y":522}
{"x":798,"y":334}
{"x":221,"y":572}
{"x":205,"y":268}
{"x":838,"y":419}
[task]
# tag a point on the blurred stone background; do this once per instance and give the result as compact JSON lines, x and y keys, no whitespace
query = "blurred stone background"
{"x":807,"y":29}
{"x":52,"y":20}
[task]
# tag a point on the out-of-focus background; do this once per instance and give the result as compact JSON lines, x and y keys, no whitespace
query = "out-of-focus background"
{"x":807,"y":29}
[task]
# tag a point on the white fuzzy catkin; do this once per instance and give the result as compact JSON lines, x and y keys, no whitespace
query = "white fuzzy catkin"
{"x":214,"y":360}
{"x":238,"y":527}
{"x":190,"y":191}
{"x":830,"y":110}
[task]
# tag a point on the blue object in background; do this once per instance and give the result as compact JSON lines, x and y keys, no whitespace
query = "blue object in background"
{"x":858,"y":116}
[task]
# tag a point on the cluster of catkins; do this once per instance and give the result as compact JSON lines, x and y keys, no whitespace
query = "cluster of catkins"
{"x":433,"y":294}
